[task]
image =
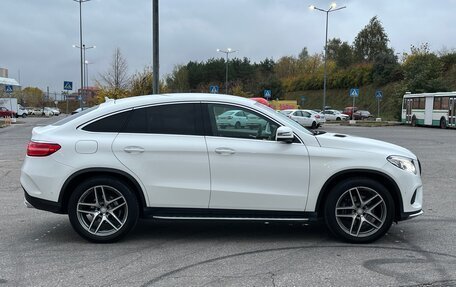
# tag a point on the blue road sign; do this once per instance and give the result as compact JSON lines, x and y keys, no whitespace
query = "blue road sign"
{"x":67,"y":85}
{"x":378,"y":94}
{"x":267,"y":94}
{"x":214,"y":89}
{"x":8,"y":88}
{"x":354,"y":92}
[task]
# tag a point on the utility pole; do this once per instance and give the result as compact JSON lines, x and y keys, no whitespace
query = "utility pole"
{"x":155,"y":44}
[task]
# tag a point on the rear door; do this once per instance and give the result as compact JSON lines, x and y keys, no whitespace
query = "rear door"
{"x":165,"y":147}
{"x":452,"y":113}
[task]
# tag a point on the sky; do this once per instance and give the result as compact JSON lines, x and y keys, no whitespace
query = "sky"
{"x":37,"y":36}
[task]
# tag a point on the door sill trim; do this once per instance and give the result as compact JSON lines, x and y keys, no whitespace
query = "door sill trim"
{"x":230,"y":218}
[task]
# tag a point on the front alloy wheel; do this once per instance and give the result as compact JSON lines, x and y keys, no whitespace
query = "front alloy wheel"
{"x":103,"y":210}
{"x":359,"y":211}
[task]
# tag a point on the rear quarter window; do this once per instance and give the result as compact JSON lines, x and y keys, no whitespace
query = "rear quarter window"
{"x":113,"y":123}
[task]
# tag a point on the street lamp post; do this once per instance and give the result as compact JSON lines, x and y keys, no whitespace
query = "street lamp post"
{"x":332,"y":8}
{"x":86,"y":72}
{"x":80,"y":45}
{"x":227,"y":52}
{"x":83,"y":49}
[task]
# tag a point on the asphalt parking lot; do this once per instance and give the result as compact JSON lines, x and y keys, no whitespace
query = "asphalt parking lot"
{"x":38,"y":248}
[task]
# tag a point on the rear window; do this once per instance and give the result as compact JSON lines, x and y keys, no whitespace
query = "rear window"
{"x":112,"y":123}
{"x":75,"y":116}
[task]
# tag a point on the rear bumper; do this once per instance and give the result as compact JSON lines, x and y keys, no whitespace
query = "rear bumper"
{"x":42,"y":204}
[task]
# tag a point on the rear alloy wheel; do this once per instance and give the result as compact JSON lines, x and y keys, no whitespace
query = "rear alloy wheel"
{"x":237,"y":125}
{"x":103,"y":209}
{"x":359,"y":210}
{"x":314,"y":125}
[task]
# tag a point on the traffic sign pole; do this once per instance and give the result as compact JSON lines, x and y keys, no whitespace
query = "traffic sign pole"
{"x":353,"y":109}
{"x":354,"y":92}
{"x":379,"y":96}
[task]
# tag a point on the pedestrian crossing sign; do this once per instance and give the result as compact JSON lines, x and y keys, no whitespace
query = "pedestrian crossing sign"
{"x":67,"y":85}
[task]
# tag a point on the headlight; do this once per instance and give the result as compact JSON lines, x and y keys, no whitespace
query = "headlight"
{"x":403,"y":163}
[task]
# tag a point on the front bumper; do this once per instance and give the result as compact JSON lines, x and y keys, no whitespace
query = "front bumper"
{"x":409,"y":215}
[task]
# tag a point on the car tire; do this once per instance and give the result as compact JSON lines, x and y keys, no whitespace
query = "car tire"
{"x":237,"y":125}
{"x":103,"y":209}
{"x":24,"y":115}
{"x":359,"y":210}
{"x":443,"y":124}
{"x":338,"y":119}
{"x":314,"y":125}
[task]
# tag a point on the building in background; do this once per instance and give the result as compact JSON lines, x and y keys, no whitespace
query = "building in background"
{"x":4,"y":81}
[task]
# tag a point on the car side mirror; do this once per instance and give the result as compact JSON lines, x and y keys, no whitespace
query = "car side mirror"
{"x":284,"y":134}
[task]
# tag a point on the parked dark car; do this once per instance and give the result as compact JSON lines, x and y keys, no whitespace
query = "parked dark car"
{"x":362,"y":115}
{"x":349,"y":111}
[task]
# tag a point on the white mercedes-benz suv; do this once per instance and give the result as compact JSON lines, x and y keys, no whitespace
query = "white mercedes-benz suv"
{"x":165,"y":157}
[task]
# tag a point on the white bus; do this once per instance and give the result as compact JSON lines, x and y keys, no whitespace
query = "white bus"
{"x":430,"y":109}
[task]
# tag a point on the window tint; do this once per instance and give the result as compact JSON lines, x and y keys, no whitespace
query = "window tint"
{"x":181,"y":119}
{"x":113,"y":123}
{"x":137,"y":122}
{"x":249,"y":126}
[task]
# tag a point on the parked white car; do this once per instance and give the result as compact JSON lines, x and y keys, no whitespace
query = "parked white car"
{"x":304,"y":118}
{"x":48,"y":112}
{"x":319,"y":117}
{"x":167,"y":157}
{"x":232,"y":118}
{"x":55,"y":111}
{"x":334,"y":115}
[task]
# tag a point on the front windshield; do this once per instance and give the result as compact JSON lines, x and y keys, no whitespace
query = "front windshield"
{"x":289,"y":122}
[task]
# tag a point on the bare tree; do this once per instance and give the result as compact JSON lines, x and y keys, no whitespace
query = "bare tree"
{"x":116,"y":77}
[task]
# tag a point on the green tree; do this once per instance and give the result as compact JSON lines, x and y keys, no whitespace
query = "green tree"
{"x":423,"y":71}
{"x":340,"y":52}
{"x":386,"y":68}
{"x":141,"y":82}
{"x":371,"y":41}
{"x":178,"y":80}
{"x":286,"y":67}
{"x":32,"y":97}
{"x":114,"y":82}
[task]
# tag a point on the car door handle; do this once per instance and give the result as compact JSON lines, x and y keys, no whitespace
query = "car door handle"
{"x":134,"y":149}
{"x":224,"y":151}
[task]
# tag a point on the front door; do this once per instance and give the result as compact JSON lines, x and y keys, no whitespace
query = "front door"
{"x":452,"y":113}
{"x":408,"y":111}
{"x":250,"y":170}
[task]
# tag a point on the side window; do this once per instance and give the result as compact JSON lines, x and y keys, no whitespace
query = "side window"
{"x":251,"y":126}
{"x":306,"y":114}
{"x":445,"y":103}
{"x":113,"y":123}
{"x":437,"y":103}
{"x":297,"y":114}
{"x":179,"y":119}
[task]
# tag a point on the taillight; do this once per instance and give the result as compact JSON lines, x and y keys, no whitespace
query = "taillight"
{"x":42,"y":149}
{"x":317,"y":116}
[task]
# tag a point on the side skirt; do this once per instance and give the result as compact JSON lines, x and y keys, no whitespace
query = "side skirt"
{"x":227,"y":214}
